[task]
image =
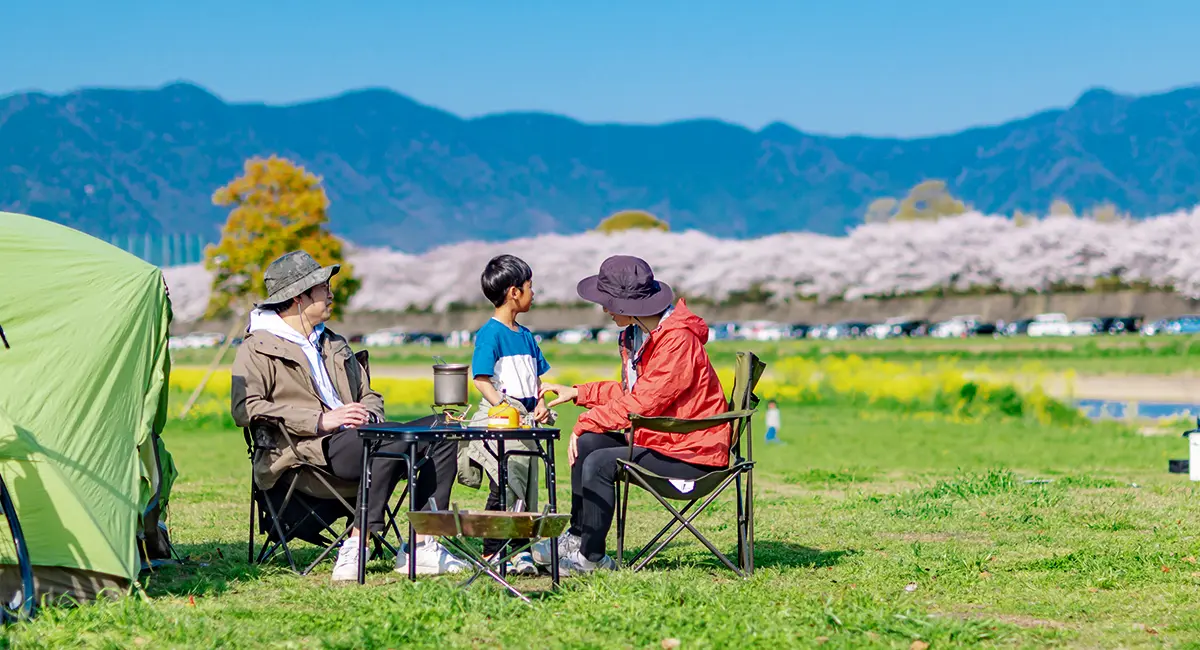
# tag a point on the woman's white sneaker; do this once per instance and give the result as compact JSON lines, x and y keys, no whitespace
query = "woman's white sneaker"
{"x":576,"y":563}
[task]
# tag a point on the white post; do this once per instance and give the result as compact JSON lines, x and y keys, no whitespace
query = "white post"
{"x":1193,"y":456}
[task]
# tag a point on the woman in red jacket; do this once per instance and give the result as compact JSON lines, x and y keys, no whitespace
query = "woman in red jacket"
{"x":665,"y":372}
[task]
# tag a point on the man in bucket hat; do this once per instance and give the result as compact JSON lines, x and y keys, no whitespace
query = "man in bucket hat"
{"x":665,"y":372}
{"x":295,"y":372}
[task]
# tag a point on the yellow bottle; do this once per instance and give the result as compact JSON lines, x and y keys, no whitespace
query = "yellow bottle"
{"x":503,"y":416}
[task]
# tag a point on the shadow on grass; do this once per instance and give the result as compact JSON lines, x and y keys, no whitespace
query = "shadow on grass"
{"x":212,"y":569}
{"x":767,"y":554}
{"x":771,"y":553}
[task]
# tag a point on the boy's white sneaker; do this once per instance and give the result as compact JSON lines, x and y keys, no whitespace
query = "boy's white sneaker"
{"x":522,"y":564}
{"x":432,"y":559}
{"x":519,"y":564}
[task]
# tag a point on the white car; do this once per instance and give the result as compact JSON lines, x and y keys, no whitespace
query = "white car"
{"x":1084,"y":327}
{"x":197,"y":340}
{"x":1050,"y":325}
{"x":762,"y":330}
{"x":1157,"y":327}
{"x":385,"y":338}
{"x":956,"y":327}
{"x":884,"y":330}
{"x":610,"y":334}
{"x":574,"y":337}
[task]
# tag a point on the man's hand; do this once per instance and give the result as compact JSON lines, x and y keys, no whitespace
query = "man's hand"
{"x":572,"y":448}
{"x":350,"y":416}
{"x":565,"y":394}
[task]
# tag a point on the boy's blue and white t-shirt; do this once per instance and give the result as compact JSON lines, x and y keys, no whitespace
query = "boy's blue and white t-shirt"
{"x":511,"y":358}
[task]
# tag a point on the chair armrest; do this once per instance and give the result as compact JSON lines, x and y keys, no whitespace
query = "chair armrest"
{"x":687,"y":425}
{"x":267,"y":421}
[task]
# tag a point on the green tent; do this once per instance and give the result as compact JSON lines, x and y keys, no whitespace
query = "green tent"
{"x":83,"y":393}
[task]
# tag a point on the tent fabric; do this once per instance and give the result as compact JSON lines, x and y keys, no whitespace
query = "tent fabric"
{"x":84,"y":389}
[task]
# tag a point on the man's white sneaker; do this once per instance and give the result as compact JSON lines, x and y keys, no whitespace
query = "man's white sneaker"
{"x":576,"y":563}
{"x":345,"y":569}
{"x":567,"y":544}
{"x":432,"y":559}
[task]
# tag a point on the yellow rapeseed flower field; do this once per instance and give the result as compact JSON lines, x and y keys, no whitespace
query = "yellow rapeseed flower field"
{"x":940,"y":388}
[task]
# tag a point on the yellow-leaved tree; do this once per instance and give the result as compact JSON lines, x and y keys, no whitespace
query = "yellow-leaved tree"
{"x":277,"y":207}
{"x":929,"y":201}
{"x":631,"y":220}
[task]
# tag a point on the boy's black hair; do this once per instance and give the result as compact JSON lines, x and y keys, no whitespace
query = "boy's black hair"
{"x":502,"y":273}
{"x":771,"y":401}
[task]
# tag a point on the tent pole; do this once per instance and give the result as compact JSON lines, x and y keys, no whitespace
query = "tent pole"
{"x":212,"y":366}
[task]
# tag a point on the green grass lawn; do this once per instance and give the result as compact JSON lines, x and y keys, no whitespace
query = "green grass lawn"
{"x":873,"y":529}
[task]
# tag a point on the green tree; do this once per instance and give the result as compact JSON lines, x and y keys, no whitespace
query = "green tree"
{"x":1106,"y":212}
{"x":929,"y":201}
{"x":881,"y":210}
{"x":1060,"y":208}
{"x":631,"y":220}
{"x":277,"y":207}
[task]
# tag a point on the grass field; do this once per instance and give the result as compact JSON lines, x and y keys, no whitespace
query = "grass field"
{"x":876,"y":528}
{"x":1092,"y":355}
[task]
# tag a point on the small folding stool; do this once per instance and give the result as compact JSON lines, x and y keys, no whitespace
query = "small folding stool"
{"x":455,"y":526}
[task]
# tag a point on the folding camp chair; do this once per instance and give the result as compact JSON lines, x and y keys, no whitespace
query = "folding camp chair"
{"x":742,"y":404}
{"x":305,"y":503}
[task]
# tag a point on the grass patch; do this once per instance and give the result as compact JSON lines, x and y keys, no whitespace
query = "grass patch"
{"x":941,"y":541}
{"x":827,"y":478}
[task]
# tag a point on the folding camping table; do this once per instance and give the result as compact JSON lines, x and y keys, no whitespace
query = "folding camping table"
{"x":374,"y":435}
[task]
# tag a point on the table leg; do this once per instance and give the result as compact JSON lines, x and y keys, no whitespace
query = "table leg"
{"x":364,"y":484}
{"x":412,"y":507}
{"x":502,"y":470}
{"x":552,"y":497}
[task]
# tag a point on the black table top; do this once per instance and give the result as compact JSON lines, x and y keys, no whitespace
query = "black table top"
{"x":411,"y":432}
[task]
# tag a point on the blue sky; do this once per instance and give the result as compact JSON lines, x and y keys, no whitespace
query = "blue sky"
{"x":882,"y":67}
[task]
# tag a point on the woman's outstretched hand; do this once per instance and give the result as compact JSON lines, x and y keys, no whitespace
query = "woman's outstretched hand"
{"x":565,"y":394}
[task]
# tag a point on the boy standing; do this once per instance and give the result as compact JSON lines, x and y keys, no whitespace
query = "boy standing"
{"x":508,"y":365}
{"x":774,"y":421}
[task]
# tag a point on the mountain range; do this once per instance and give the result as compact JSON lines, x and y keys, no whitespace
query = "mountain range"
{"x":409,"y":176}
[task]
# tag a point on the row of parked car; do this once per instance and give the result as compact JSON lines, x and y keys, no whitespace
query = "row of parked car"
{"x":1053,"y":324}
{"x":399,"y":336}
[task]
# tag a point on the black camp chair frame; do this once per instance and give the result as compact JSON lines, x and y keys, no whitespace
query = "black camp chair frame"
{"x":742,"y":405}
{"x":268,"y":514}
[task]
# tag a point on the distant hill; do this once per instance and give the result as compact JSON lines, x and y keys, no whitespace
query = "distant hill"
{"x":406,"y":175}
